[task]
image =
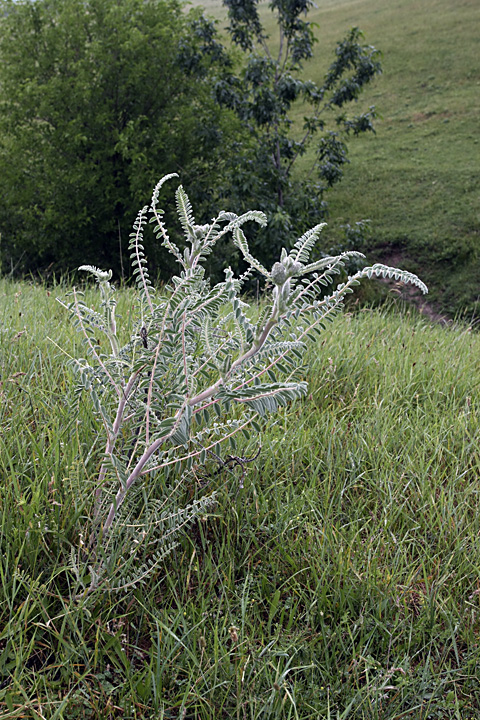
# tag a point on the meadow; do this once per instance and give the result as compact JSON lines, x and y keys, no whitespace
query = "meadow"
{"x":416,"y":179}
{"x":340,"y":582}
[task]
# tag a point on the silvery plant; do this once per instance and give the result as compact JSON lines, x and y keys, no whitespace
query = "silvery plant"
{"x":202,"y":368}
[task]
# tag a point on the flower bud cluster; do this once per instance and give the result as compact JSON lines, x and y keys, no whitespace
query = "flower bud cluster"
{"x":280,"y":276}
{"x":196,"y":233}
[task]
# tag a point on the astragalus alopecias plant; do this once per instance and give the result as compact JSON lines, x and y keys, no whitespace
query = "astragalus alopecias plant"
{"x":201,"y":369}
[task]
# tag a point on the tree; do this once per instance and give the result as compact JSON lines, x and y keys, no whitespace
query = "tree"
{"x":98,"y":97}
{"x":262,"y":95}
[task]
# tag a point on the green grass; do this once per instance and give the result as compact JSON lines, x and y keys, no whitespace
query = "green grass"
{"x":417,"y":178}
{"x":341,"y":582}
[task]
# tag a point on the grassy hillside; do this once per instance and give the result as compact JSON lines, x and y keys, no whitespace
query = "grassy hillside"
{"x":417,"y":179}
{"x":340,"y":582}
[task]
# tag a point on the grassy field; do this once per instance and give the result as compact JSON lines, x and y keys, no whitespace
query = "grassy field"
{"x":341,"y":582}
{"x":417,"y":180}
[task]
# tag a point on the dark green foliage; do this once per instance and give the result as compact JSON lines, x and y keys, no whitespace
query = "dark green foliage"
{"x":262,"y":95}
{"x":97,"y":99}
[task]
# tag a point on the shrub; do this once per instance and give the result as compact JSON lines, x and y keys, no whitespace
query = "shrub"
{"x":95,"y":97}
{"x":202,"y":367}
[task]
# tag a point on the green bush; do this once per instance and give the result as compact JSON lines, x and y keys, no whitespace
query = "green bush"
{"x":96,"y":98}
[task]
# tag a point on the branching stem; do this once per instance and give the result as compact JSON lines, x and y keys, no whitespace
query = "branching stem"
{"x":181,"y":352}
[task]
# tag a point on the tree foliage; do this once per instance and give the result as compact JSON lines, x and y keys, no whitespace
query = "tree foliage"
{"x":263,"y":95}
{"x":96,"y":98}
